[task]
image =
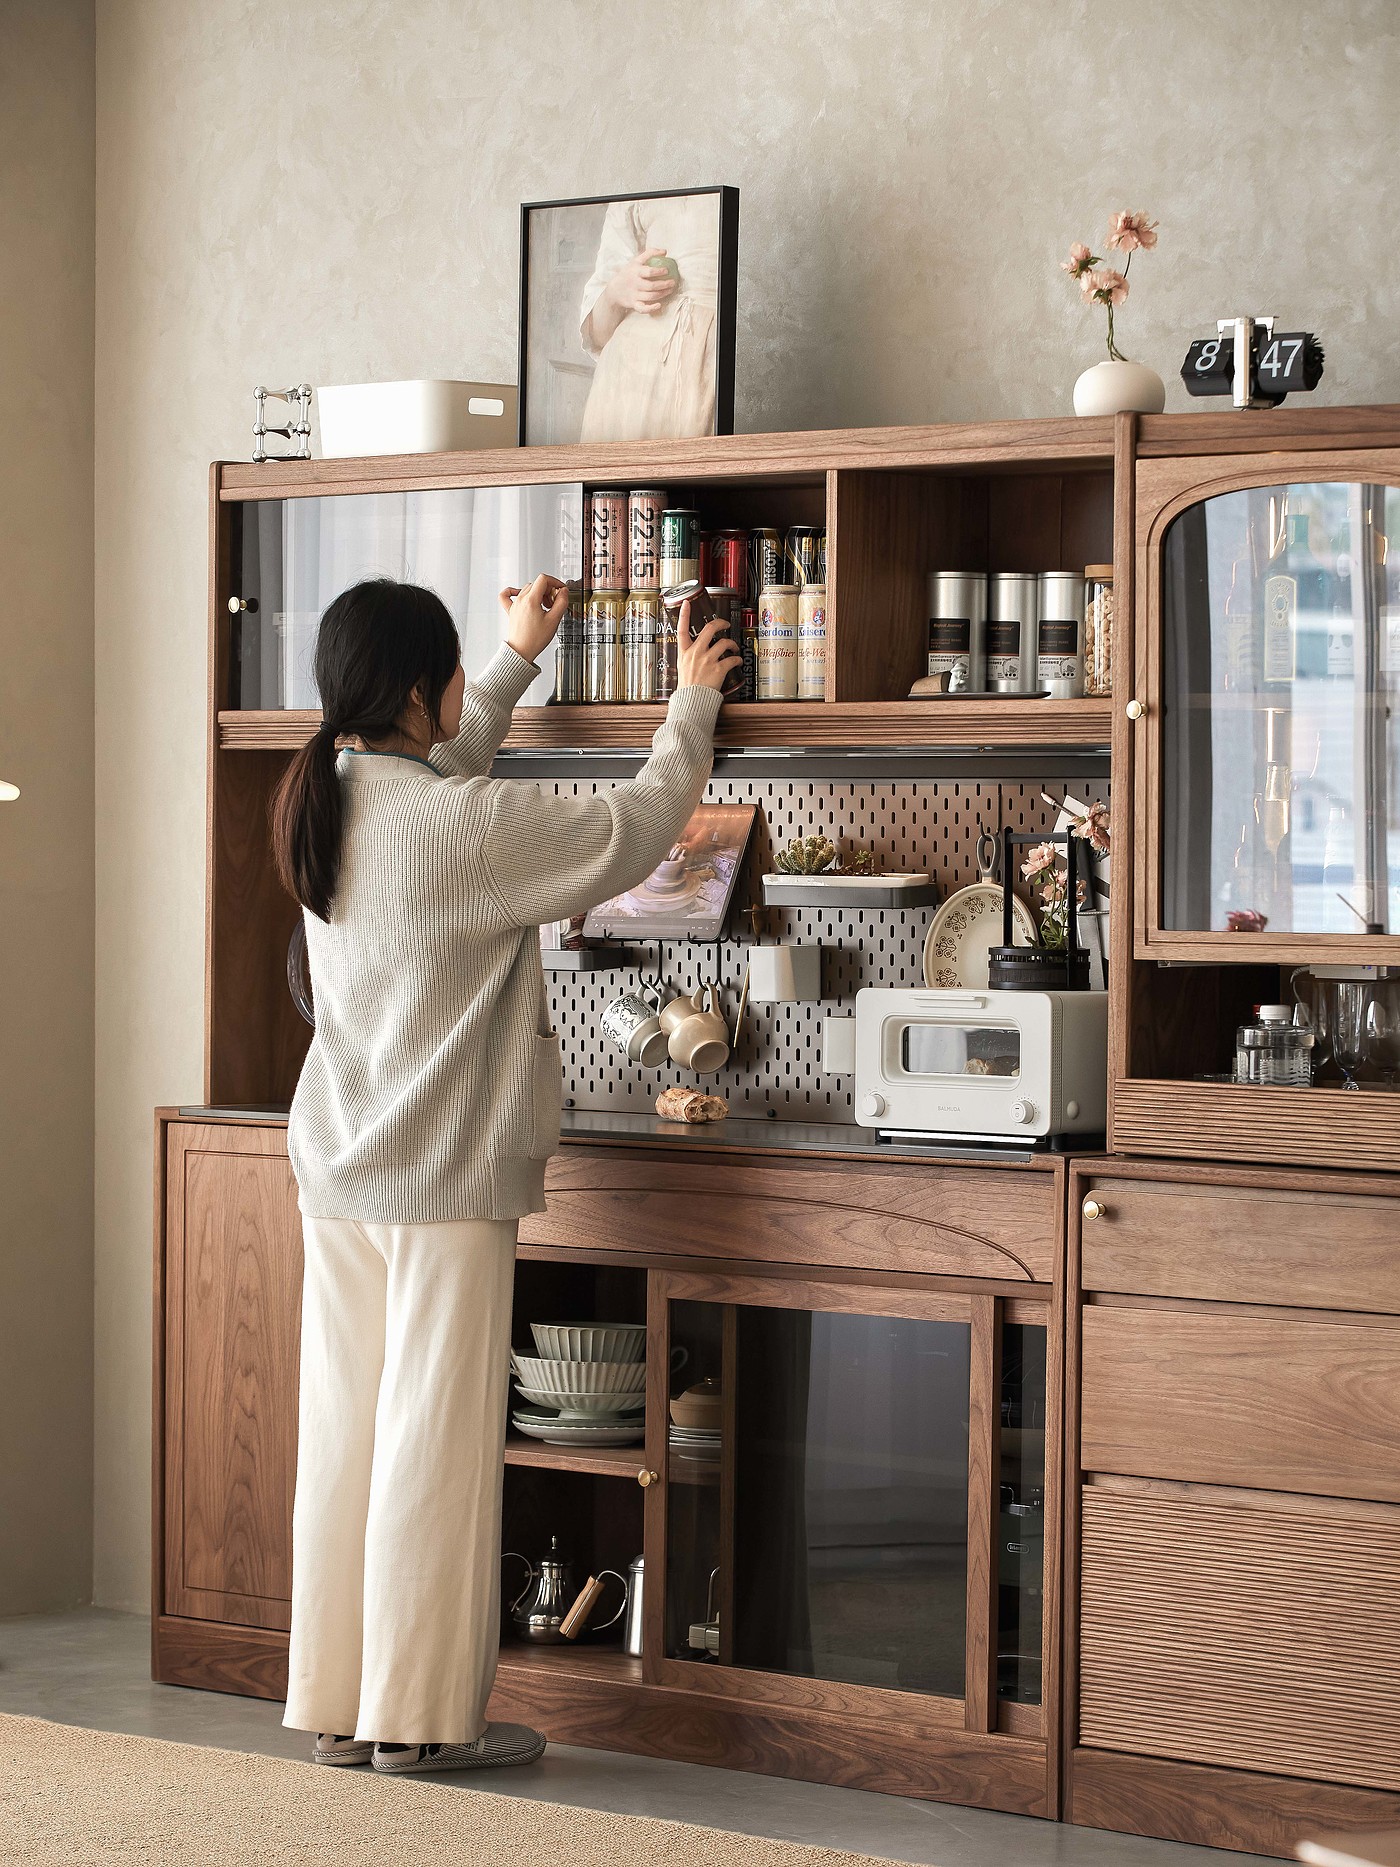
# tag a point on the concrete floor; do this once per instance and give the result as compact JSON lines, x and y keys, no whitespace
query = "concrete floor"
{"x":92,"y":1668}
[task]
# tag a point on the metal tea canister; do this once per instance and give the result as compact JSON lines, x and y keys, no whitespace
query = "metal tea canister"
{"x":777,"y":643}
{"x":811,"y":642}
{"x":608,"y":541}
{"x":957,"y":620}
{"x":680,"y":546}
{"x":602,"y":648}
{"x":1060,"y":634}
{"x":1098,"y":629}
{"x":568,"y":652}
{"x":639,"y":645}
{"x":1012,"y":614}
{"x":644,"y":509}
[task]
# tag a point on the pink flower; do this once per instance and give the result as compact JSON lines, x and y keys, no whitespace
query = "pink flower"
{"x":1129,"y":231}
{"x":1038,"y":860}
{"x":1105,"y":285}
{"x":1079,"y":261}
{"x":1093,"y":828}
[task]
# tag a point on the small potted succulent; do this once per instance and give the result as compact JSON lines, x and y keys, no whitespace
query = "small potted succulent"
{"x":1117,"y":383}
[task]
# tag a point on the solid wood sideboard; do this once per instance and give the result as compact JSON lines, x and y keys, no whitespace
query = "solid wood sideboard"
{"x":1233,"y":1503}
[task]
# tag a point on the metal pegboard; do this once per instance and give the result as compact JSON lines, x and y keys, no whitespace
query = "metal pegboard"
{"x":777,"y":1064}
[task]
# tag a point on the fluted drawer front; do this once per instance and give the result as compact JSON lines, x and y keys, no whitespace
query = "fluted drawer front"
{"x":1255,"y":1639}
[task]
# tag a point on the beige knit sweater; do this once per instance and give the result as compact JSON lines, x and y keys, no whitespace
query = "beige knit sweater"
{"x":432,"y":1087}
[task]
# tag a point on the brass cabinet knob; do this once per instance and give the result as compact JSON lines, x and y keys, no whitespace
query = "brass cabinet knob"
{"x":645,"y":1478}
{"x":236,"y":604}
{"x":1094,"y":1209}
{"x":1135,"y":709}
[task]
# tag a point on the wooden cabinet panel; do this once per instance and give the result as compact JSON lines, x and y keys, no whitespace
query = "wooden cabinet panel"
{"x":1238,"y":1399}
{"x":960,"y":1222}
{"x":1262,"y":1639}
{"x":232,"y":1329}
{"x":1243,"y":1244}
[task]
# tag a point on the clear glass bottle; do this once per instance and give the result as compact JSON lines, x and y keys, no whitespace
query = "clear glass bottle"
{"x":1274,"y":1052}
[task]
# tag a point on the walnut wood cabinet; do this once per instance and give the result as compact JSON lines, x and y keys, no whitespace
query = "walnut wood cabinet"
{"x":1233,"y":1520}
{"x":889,"y":1340}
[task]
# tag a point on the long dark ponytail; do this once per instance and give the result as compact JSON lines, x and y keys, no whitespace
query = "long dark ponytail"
{"x":378,"y":641}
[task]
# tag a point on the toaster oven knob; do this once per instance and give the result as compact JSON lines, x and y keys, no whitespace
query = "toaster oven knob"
{"x":873,"y":1104}
{"x":1023,"y":1112}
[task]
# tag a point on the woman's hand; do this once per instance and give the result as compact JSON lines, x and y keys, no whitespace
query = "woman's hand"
{"x":708,"y":660}
{"x":535,"y":614}
{"x":640,"y":286}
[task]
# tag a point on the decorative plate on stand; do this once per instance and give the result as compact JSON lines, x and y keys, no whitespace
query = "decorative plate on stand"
{"x":963,"y":932}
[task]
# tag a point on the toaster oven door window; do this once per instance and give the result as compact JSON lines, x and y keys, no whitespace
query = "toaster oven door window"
{"x":941,"y":1049}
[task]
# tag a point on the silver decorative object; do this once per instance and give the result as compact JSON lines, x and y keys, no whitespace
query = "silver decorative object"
{"x":297,"y":430}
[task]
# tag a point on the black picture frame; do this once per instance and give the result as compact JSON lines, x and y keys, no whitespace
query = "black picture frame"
{"x":725,"y":305}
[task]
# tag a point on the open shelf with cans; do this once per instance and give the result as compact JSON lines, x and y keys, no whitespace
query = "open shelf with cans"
{"x":890,"y":507}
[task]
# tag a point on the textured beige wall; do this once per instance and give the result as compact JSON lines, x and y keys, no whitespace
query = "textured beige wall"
{"x":46,"y":924}
{"x":329,"y":191}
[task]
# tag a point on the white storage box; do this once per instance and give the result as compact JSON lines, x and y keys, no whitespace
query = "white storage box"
{"x":415,"y":417}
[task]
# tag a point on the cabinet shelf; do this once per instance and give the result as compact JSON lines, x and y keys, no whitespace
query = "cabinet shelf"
{"x":1012,"y":722}
{"x":602,"y":1461}
{"x":580,"y":1662}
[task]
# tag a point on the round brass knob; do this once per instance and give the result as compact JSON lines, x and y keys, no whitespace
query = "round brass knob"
{"x":1135,"y":709}
{"x":236,"y":604}
{"x":1094,"y":1209}
{"x":645,"y":1478}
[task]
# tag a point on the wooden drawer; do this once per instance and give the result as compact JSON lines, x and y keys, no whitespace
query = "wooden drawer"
{"x":960,"y":1222}
{"x":1243,"y":1244}
{"x":1263,"y":1639}
{"x":1222,"y":1397}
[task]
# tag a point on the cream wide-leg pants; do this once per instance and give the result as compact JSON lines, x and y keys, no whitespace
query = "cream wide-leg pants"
{"x":405,"y":1340}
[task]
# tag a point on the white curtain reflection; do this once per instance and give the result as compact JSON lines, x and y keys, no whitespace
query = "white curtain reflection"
{"x":467,"y":544}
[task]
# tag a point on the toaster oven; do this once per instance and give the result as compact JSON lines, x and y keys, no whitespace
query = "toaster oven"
{"x":987,"y":1066}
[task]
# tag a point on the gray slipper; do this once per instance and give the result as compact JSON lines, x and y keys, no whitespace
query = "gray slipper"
{"x":341,"y":1750}
{"x":498,"y":1746}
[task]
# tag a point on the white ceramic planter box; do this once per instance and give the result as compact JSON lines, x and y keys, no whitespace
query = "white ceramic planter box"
{"x":415,"y":417}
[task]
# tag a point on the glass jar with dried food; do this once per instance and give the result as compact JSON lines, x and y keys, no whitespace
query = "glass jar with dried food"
{"x":1098,"y":629}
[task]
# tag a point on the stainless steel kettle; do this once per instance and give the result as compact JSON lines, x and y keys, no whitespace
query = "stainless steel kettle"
{"x":547,"y":1596}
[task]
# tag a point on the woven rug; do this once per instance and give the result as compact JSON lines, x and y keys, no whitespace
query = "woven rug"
{"x":75,"y":1798}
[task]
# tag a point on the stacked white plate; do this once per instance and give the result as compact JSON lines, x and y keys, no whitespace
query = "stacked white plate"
{"x":698,"y":1444}
{"x":588,"y":1384}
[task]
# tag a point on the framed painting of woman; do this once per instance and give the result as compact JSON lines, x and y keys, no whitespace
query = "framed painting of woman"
{"x":627,"y":316}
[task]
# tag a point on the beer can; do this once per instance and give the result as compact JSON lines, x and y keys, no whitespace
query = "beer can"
{"x":748,"y":641}
{"x":765,"y":561}
{"x":680,"y":533}
{"x":639,"y":630}
{"x":667,"y":651}
{"x":777,"y":643}
{"x":957,"y":618}
{"x":811,"y":642}
{"x":821,"y":556}
{"x":608,"y":541}
{"x":1011,"y":625}
{"x":801,"y":553}
{"x":703,"y":608}
{"x":702,"y":559}
{"x":729,"y":561}
{"x":568,"y":652}
{"x":679,"y":570}
{"x":644,"y":510}
{"x":1060,"y":634}
{"x":602,"y":648}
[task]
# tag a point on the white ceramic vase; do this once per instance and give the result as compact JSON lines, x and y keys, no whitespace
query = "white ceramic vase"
{"x":1111,"y":388}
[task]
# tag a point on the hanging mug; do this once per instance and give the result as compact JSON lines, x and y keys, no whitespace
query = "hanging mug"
{"x":633,"y":1025}
{"x":698,"y":1034}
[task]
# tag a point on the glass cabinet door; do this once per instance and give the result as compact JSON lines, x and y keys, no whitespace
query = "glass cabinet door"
{"x":817,"y":1497}
{"x":1280,"y":754}
{"x":290,"y":557}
